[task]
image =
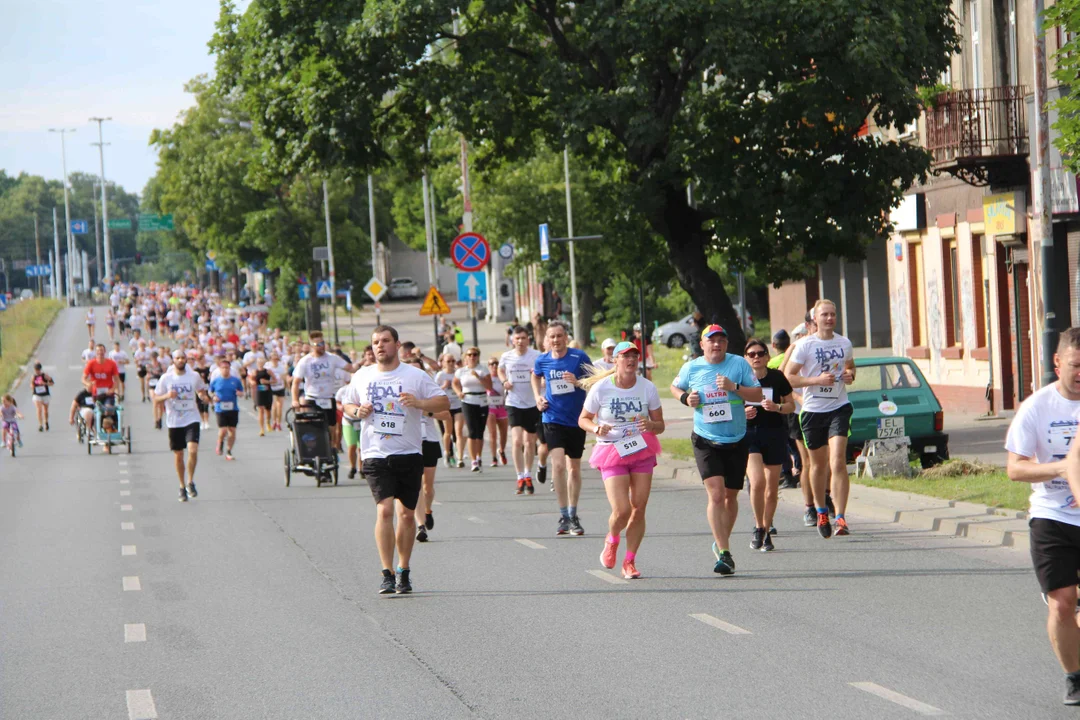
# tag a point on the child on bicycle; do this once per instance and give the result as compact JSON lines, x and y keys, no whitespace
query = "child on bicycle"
{"x":9,"y":416}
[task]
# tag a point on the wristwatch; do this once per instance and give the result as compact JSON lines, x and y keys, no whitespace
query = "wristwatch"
{"x":736,"y":387}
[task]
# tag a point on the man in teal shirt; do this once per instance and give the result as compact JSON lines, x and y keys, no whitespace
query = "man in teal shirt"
{"x":717,"y":385}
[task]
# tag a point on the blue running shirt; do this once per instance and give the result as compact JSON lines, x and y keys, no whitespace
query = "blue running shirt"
{"x":226,"y":390}
{"x":564,"y":407}
{"x":699,"y":375}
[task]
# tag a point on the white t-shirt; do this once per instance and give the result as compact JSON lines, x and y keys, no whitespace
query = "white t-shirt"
{"x":821,"y":357}
{"x":621,"y":408}
{"x":142,"y":357}
{"x":120,"y":358}
{"x":88,"y":354}
{"x":1043,"y":428}
{"x":444,"y":378}
{"x":172,"y":317}
{"x":182,"y":410}
{"x":453,"y":349}
{"x":234,"y":370}
{"x":518,"y":369}
{"x":90,"y":317}
{"x":252,"y":355}
{"x":320,"y":374}
{"x":471,"y":384}
{"x":277,"y":369}
{"x":137,"y":322}
{"x":602,"y":364}
{"x":392,"y":429}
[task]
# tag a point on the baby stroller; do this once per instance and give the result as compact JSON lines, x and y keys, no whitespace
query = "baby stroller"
{"x":309,"y":446}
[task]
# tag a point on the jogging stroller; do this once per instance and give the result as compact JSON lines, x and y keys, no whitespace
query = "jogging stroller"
{"x":309,"y":447}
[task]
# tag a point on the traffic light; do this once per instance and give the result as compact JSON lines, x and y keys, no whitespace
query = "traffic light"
{"x":138,"y":258}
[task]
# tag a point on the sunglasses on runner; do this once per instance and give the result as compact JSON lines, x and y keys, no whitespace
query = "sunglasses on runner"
{"x":756,"y":353}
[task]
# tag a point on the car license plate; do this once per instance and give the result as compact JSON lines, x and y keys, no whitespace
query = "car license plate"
{"x":889,"y":428}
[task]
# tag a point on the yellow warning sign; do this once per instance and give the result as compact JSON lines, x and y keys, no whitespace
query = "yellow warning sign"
{"x":434,"y":304}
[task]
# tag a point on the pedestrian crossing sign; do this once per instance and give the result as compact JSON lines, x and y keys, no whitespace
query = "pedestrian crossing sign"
{"x":434,"y":303}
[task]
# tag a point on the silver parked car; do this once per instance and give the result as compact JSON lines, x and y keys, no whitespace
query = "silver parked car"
{"x":677,"y":333}
{"x":403,"y":287}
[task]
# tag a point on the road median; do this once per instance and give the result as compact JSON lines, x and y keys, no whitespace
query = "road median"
{"x":23,"y":325}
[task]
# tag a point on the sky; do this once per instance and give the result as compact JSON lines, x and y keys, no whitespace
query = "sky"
{"x":64,"y":61}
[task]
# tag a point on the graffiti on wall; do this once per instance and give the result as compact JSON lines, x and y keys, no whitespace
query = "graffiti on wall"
{"x":898,"y":307}
{"x":935,"y":331}
{"x":967,"y":305}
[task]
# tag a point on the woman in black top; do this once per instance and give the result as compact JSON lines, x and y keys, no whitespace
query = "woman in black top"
{"x":204,"y":409}
{"x":261,"y":380}
{"x":766,"y":436}
{"x":40,"y":387}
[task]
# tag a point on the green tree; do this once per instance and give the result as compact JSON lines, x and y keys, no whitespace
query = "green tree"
{"x":757,"y":103}
{"x":1065,"y":15}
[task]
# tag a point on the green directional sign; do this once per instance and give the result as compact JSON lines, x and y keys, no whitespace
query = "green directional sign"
{"x":120,"y":224}
{"x":148,"y":222}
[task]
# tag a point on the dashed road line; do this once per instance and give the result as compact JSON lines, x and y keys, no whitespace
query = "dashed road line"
{"x":608,"y":577}
{"x":140,"y":705}
{"x":895,"y":697}
{"x":125,"y":493}
{"x":720,"y":624}
{"x":127,"y":526}
{"x":132,"y":583}
{"x":134,"y":632}
{"x":75,"y":367}
{"x":530,"y":544}
{"x":125,"y":508}
{"x":123,"y":463}
{"x":475,"y":519}
{"x":126,"y":550}
{"x":125,"y":482}
{"x":122,"y":472}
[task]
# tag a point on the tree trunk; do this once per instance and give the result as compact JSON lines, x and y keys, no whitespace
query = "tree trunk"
{"x":681,"y":226}
{"x":586,"y":307}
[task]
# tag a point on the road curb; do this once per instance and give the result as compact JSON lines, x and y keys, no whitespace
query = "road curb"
{"x":30,"y":358}
{"x":993,"y":526}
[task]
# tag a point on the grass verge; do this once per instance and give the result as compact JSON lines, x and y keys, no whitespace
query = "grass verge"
{"x":960,"y":480}
{"x":678,"y":448}
{"x":22,"y":325}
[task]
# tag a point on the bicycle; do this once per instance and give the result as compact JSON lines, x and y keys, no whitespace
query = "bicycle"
{"x":12,"y":436}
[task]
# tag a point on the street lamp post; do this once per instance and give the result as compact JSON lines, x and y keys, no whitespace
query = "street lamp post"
{"x":70,"y":287}
{"x":104,"y":202}
{"x":330,"y":258}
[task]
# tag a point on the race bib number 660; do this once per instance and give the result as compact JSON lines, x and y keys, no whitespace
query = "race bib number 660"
{"x":717,"y":412}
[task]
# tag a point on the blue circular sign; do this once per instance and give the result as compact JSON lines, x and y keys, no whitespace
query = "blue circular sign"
{"x":470,"y":252}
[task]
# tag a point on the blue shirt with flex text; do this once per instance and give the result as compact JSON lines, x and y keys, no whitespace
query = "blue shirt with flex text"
{"x":563,"y":408}
{"x":225,"y":390}
{"x":700,"y":375}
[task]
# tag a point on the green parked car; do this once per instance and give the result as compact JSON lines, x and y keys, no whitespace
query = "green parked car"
{"x":891,"y":399}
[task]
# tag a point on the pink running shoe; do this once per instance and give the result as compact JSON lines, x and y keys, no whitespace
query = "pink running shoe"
{"x":607,"y":558}
{"x":629,"y":571}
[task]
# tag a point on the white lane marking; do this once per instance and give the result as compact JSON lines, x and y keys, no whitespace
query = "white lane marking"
{"x":125,"y":482}
{"x":895,"y":697}
{"x":125,"y":493}
{"x":720,"y":624}
{"x":76,"y":367}
{"x":127,"y":526}
{"x":48,"y":368}
{"x":141,"y":705}
{"x":131,"y":583}
{"x":607,"y":577}
{"x":127,"y":550}
{"x":123,"y":463}
{"x":122,"y":472}
{"x":125,"y":508}
{"x":476,"y":520}
{"x":530,"y":544}
{"x":135,"y":632}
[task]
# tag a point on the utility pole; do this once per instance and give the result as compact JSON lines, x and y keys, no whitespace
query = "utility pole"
{"x":104,"y":203}
{"x":1042,"y":202}
{"x":37,"y":252}
{"x":70,"y":287}
{"x":573,"y":270}
{"x":97,"y":241}
{"x":428,"y":244}
{"x":55,"y":262}
{"x":330,"y":258}
{"x":371,"y":222}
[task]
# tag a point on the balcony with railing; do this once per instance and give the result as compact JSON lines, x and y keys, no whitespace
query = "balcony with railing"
{"x":980,"y":135}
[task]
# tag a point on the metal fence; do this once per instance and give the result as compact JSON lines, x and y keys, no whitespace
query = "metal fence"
{"x":982,"y":122}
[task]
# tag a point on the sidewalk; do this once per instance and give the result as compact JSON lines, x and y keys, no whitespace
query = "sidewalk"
{"x":994,"y":526}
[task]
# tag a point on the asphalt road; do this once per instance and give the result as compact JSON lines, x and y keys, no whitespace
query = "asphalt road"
{"x":258,"y":601}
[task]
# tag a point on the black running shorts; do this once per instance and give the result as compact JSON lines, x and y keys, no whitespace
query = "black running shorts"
{"x":818,"y":427}
{"x":570,"y":439}
{"x":726,"y":460}
{"x":1055,"y":553}
{"x":527,"y":418}
{"x":769,"y":443}
{"x":180,"y":437}
{"x":475,"y":420}
{"x":396,"y":476}
{"x":432,"y":452}
{"x":228,"y":418}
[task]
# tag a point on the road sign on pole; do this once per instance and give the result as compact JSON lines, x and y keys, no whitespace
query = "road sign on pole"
{"x":320,"y":253}
{"x":506,"y":252}
{"x":211,"y":265}
{"x":375,"y":289}
{"x":434,"y":303}
{"x":471,"y":287}
{"x":545,"y":247}
{"x":149,"y":222}
{"x":3,"y":303}
{"x":79,"y":227}
{"x":470,"y":252}
{"x":302,"y":292}
{"x":322,"y":290}
{"x":119,"y":223}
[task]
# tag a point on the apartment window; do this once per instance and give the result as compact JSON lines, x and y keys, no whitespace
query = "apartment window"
{"x":1010,"y":46}
{"x":973,"y":42}
{"x":916,"y":292}
{"x":951,"y":274}
{"x":978,"y":291}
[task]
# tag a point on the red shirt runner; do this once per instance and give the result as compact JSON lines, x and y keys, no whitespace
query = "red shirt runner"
{"x":102,"y":372}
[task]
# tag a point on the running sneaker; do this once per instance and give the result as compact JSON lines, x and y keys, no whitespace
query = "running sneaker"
{"x":756,"y":540}
{"x":352,"y":473}
{"x":823,"y":527}
{"x":421,"y":533}
{"x":475,"y":466}
{"x":520,"y":486}
{"x":1072,"y":690}
{"x":564,"y":526}
{"x":460,"y":463}
{"x":191,"y":491}
{"x":46,"y":427}
{"x":403,"y":586}
{"x":575,"y":526}
{"x":725,"y":564}
{"x":766,"y":545}
{"x":772,"y":530}
{"x":494,"y":462}
{"x":607,"y":555}
{"x":448,"y":461}
{"x":629,"y":570}
{"x":429,"y":521}
{"x":183,"y":494}
{"x":809,"y":517}
{"x":541,"y":474}
{"x":229,"y":455}
{"x":502,"y":456}
{"x":219,"y":448}
{"x":262,"y":433}
{"x":528,"y":486}
{"x":387,"y":586}
{"x":841,"y":527}
{"x":41,"y":428}
{"x":829,"y":504}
